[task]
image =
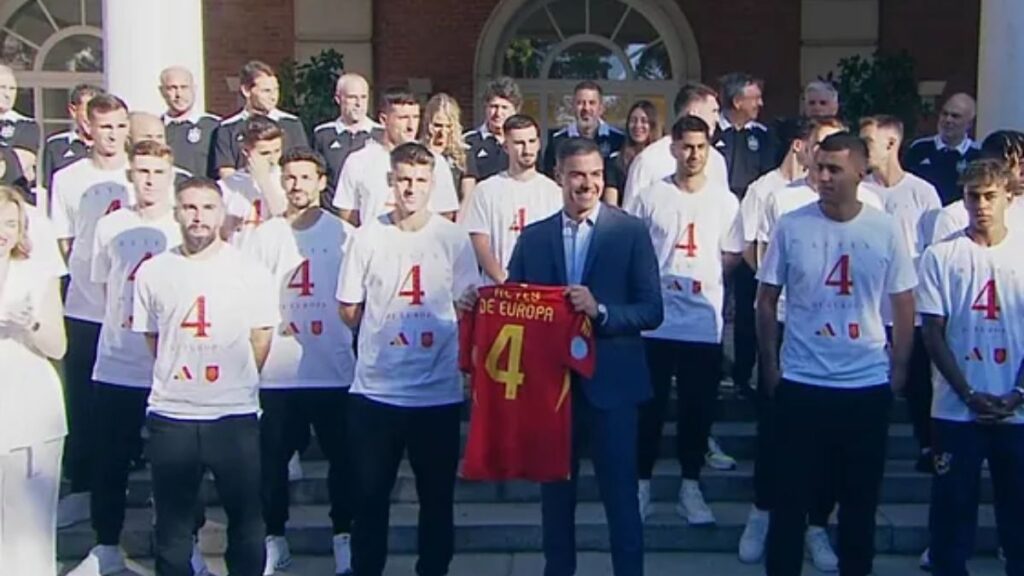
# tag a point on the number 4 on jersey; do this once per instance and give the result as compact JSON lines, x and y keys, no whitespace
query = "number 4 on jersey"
{"x":509,"y":338}
{"x":840,"y":277}
{"x":987,"y":301}
{"x":302,"y":279}
{"x":195,"y":318}
{"x":410,"y":287}
{"x":688,"y":243}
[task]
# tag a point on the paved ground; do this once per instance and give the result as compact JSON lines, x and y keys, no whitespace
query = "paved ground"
{"x":660,"y":564}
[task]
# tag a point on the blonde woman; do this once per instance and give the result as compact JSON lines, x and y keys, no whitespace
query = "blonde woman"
{"x":32,"y":425}
{"x":441,"y":132}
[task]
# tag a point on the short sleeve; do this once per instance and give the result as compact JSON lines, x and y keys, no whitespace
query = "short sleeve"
{"x":27,"y":136}
{"x":900,"y":276}
{"x":732,"y":230}
{"x":100,"y":270}
{"x":44,"y":244}
{"x":348,"y":184}
{"x":145,"y":318}
{"x":258,"y":247}
{"x":264,"y":309}
{"x":766,"y":220}
{"x":945,"y":226}
{"x":235,"y":204}
{"x":774,"y":267}
{"x":929,"y":298}
{"x":443,"y":198}
{"x":351,"y":279}
{"x":749,"y":209}
{"x":464,"y":269}
{"x":475,"y":221}
{"x":60,"y":212}
{"x":223,"y":155}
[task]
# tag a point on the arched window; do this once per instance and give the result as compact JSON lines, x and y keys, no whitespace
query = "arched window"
{"x":52,"y":45}
{"x":634,"y":48}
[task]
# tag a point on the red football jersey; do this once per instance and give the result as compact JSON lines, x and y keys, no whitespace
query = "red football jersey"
{"x":518,"y":348}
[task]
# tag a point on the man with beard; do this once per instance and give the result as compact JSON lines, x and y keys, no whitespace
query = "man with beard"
{"x":697,"y":239}
{"x":504,"y":204}
{"x":190,"y":131}
{"x":348,"y":133}
{"x":588,"y":111}
{"x":207,"y":311}
{"x":364,"y":189}
{"x":261,"y":93}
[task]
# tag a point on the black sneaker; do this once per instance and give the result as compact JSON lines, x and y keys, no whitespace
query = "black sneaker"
{"x":925,"y":463}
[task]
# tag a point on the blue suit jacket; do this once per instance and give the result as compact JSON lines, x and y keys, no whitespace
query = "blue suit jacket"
{"x":621,"y":272}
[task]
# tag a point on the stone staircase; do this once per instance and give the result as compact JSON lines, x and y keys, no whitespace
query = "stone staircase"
{"x":505,"y":518}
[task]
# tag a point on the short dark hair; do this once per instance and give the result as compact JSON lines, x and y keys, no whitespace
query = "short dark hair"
{"x":105,"y":103}
{"x":792,"y":129}
{"x":691,"y":92}
{"x":150,"y":148}
{"x":396,"y":96}
{"x":571,"y":147}
{"x":412,"y":153}
{"x":201,"y":182}
{"x":883,"y":121}
{"x":305,"y":154}
{"x":690,"y":124}
{"x":81,"y":91}
{"x":588,"y":85}
{"x":505,"y":88}
{"x":845,"y":141}
{"x":252,"y":70}
{"x":520,"y":122}
{"x":260,"y":128}
{"x":733,"y":84}
{"x":1005,"y":145}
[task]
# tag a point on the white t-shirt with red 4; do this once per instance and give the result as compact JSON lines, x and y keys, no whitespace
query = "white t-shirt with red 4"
{"x":204,"y":311}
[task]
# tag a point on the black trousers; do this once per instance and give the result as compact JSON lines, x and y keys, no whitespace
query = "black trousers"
{"x":120,"y":415}
{"x":918,"y":392}
{"x":379,"y":434}
{"x":697,"y":368}
{"x":180,"y":452}
{"x":744,"y":338}
{"x":287,"y":416}
{"x":815,"y":424}
{"x":78,"y":402}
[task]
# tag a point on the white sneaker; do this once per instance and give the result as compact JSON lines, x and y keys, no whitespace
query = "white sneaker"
{"x":72,"y":509}
{"x":755,"y":533}
{"x":820,"y":549}
{"x":197,"y":561}
{"x":295,"y":472}
{"x":643,"y":496}
{"x":101,"y":561}
{"x":925,"y":562}
{"x":279,"y":556}
{"x":717,"y":459}
{"x":692,"y":506}
{"x":342,"y":554}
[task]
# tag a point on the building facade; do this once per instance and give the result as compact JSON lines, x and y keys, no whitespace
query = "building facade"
{"x":636,"y":48}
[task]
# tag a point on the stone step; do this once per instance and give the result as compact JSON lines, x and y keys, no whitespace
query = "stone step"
{"x":589,"y":563}
{"x":516,"y":527}
{"x":901,"y":484}
{"x":738,"y":439}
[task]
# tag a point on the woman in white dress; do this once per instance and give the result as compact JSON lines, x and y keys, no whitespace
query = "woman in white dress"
{"x":32,"y":423}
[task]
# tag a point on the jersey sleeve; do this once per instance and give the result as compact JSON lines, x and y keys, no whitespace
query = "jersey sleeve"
{"x":61,"y":212}
{"x":475,"y":221}
{"x":945,"y":226}
{"x":773,"y":268}
{"x":348,"y":184}
{"x":929,"y":297}
{"x":144,"y":310}
{"x":465,"y":272}
{"x":27,"y":137}
{"x":731,"y":226}
{"x":766,"y":220}
{"x":264,"y":310}
{"x":750,"y":207}
{"x":351,"y":286}
{"x":100,"y":268}
{"x":223,"y":155}
{"x":582,"y":349}
{"x":443,"y":198}
{"x":900,"y":276}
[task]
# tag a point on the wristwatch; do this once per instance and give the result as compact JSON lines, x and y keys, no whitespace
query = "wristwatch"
{"x":602,"y":314}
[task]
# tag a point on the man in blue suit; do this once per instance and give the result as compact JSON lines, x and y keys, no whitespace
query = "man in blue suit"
{"x":606,"y":259}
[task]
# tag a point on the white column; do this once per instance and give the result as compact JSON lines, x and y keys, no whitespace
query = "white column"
{"x":1000,"y":66}
{"x":141,"y":38}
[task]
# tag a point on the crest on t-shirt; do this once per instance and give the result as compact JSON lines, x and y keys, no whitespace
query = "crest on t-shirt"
{"x":854,"y":330}
{"x":212,"y":373}
{"x":753,"y":144}
{"x":194,"y":135}
{"x":427,"y":339}
{"x":316,"y":327}
{"x":7,"y":131}
{"x":1000,"y":356}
